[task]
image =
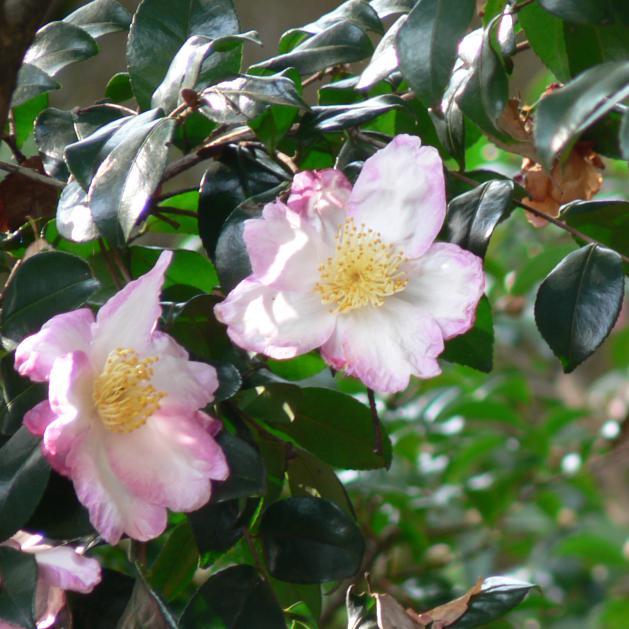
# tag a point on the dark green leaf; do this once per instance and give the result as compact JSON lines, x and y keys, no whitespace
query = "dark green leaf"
{"x":589,"y":46}
{"x":358,"y":12}
{"x":578,"y":303}
{"x":160,"y":28}
{"x":54,"y":130}
{"x":104,"y":606}
{"x":338,"y":117}
{"x":427,"y":45}
{"x":564,"y":114}
{"x":384,"y":60}
{"x":333,"y":426}
{"x":74,"y":218}
{"x":247,"y":476}
{"x":450,"y":128}
{"x":24,"y":117}
{"x":23,"y":478}
{"x":31,"y":82}
{"x":241,"y":173}
{"x":604,"y":221}
{"x":386,"y":8}
{"x":176,"y":563}
{"x":146,"y":607}
{"x":88,"y":120}
{"x":483,"y":96}
{"x":545,"y":33}
{"x":497,"y":596}
{"x":235,"y":598}
{"x":118,"y":89}
{"x":476,"y":347}
{"x":18,"y":575}
{"x":85,"y":156}
{"x":600,"y":12}
{"x":59,"y":44}
{"x":44,"y":285}
{"x":473,"y":216}
{"x":100,"y":17}
{"x":244,"y":98}
{"x":123,"y":185}
{"x":218,"y":526}
{"x":17,"y":396}
{"x":341,"y":43}
{"x":309,"y":540}
{"x":272,"y":125}
{"x":308,"y":476}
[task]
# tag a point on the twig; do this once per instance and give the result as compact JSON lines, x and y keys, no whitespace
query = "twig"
{"x":377,"y":426}
{"x":313,"y":78}
{"x":523,"y":45}
{"x":110,"y":265}
{"x":122,"y":267}
{"x":254,"y":553}
{"x":551,"y":219}
{"x":31,"y":174}
{"x":169,"y":221}
{"x":165,"y":209}
{"x":521,"y":5}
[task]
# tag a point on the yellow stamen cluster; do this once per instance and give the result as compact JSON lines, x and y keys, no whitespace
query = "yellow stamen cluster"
{"x":363,"y":271}
{"x":121,"y":393}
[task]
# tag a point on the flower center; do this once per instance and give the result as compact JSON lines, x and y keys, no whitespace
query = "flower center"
{"x":122,"y":393}
{"x":363,"y":271}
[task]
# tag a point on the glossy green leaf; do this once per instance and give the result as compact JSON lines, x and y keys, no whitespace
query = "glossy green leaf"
{"x":310,"y":540}
{"x":44,"y":285}
{"x":123,"y":184}
{"x":578,"y":303}
{"x":567,"y":112}
{"x":17,"y":396}
{"x":54,"y":130}
{"x":85,"y":156}
{"x":242,"y":99}
{"x":118,"y":90}
{"x":31,"y":82}
{"x":298,"y":368}
{"x":589,"y":46}
{"x":473,"y":216}
{"x":333,"y":426}
{"x":343,"y":42}
{"x":88,"y":120}
{"x":24,"y":117}
{"x":100,"y":17}
{"x":74,"y":217}
{"x":545,"y":33}
{"x":474,"y":348}
{"x":247,"y":476}
{"x":427,"y":45}
{"x":338,"y":117}
{"x":308,"y":476}
{"x":386,"y":8}
{"x":450,"y":128}
{"x":605,"y":221}
{"x":58,"y":45}
{"x":176,"y":563}
{"x":160,"y":28}
{"x":497,"y":596}
{"x":624,"y":135}
{"x":237,"y":598}
{"x":18,"y":575}
{"x":484,"y":95}
{"x":601,"y":12}
{"x":23,"y":477}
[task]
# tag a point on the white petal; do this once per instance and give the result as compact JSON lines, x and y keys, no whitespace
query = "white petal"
{"x":384,"y":346}
{"x":280,"y":324}
{"x":400,"y":193}
{"x":446,"y":282}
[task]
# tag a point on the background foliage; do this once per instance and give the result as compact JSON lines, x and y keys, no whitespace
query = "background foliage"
{"x":512,"y":463}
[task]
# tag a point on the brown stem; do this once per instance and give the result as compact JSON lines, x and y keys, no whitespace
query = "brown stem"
{"x":31,"y":174}
{"x":523,"y":45}
{"x":165,"y":209}
{"x":313,"y":78}
{"x":169,"y":221}
{"x":254,"y":553}
{"x":521,"y":5}
{"x":551,"y":219}
{"x":377,"y":426}
{"x":121,"y":266}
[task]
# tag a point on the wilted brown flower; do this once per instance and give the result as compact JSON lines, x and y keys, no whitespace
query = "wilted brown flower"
{"x":578,"y":178}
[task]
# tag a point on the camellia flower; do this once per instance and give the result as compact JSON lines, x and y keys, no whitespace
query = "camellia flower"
{"x":357,"y":272}
{"x":59,"y":568}
{"x":122,"y":418}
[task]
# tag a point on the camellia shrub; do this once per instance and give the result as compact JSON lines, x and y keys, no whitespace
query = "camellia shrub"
{"x":308,"y":342}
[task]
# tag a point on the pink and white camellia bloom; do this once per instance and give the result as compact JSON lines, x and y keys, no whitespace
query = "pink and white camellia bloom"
{"x":357,"y":272}
{"x":59,"y":569}
{"x":122,"y":418}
